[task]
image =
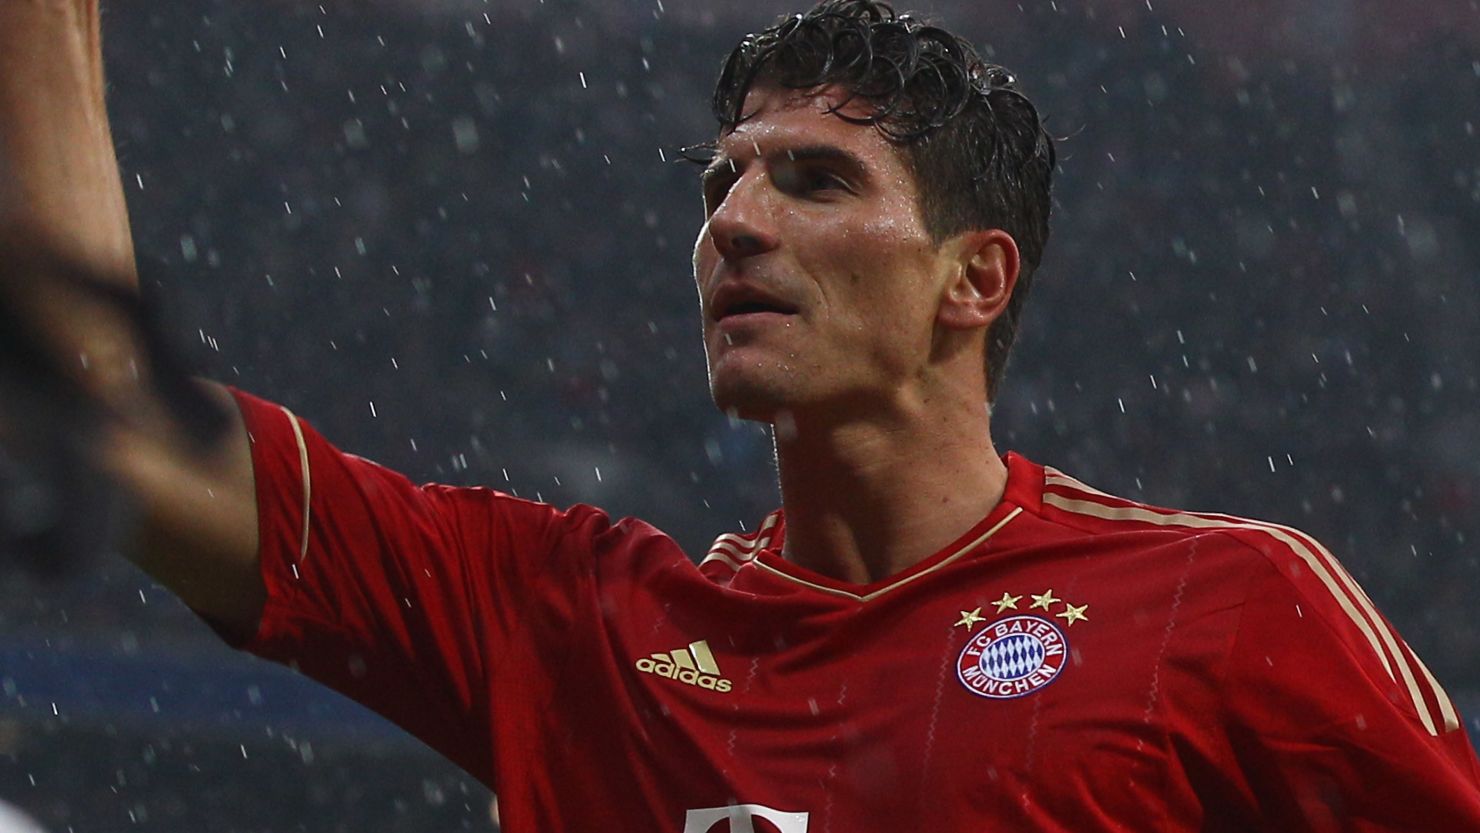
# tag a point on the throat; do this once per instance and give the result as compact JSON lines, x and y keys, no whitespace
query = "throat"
{"x":865,"y":516}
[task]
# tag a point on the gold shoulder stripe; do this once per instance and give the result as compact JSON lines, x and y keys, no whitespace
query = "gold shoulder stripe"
{"x":1451,"y":716}
{"x":744,"y":553}
{"x":727,"y":554}
{"x":721,"y":557}
{"x":739,"y":542}
{"x":1342,"y":587}
{"x":735,"y":550}
{"x":1182,"y":519}
{"x":307,"y":483}
{"x":1390,"y":639}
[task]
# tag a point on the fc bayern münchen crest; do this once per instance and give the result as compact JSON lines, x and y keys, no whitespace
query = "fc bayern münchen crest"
{"x":1012,"y":657}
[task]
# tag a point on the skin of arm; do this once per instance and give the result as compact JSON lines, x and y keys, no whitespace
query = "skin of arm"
{"x":60,"y":192}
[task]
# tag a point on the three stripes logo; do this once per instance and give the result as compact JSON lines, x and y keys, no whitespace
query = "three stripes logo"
{"x":693,"y":665}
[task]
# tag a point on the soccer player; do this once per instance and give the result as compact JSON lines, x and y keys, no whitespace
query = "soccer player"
{"x":927,"y":636}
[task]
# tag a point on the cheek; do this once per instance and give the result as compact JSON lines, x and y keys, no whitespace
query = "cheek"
{"x":889,"y":236}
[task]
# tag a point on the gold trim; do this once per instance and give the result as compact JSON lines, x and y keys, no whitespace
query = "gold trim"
{"x":965,"y":548}
{"x":715,"y":555}
{"x":731,"y":546}
{"x":307,"y":483}
{"x":742,"y":542}
{"x":1446,"y":706}
{"x":1390,"y":639}
{"x":726,"y":548}
{"x":731,"y":539}
{"x":1284,"y":536}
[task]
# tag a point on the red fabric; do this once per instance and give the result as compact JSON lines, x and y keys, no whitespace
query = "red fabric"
{"x":1211,"y":681}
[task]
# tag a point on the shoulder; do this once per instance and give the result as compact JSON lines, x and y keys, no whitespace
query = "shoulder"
{"x":1289,"y":582}
{"x":481,"y":511}
{"x":1265,"y":557}
{"x":1290,"y":551}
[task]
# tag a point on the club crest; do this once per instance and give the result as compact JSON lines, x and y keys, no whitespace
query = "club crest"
{"x":1013,"y":657}
{"x":1020,"y":653}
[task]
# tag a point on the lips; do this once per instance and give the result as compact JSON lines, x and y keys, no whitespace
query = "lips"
{"x":733,"y":299}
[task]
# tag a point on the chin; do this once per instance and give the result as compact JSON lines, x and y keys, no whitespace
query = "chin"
{"x":748,"y":396}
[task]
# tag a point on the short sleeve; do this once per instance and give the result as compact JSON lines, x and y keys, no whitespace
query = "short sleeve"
{"x":1334,"y":722}
{"x":404,"y":597}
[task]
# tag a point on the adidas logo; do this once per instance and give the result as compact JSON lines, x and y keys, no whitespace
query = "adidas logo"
{"x":693,"y":665}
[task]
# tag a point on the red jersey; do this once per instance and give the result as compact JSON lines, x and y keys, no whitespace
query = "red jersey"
{"x":1074,"y":662}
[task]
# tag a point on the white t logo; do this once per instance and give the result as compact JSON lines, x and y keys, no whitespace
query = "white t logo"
{"x":741,"y":819}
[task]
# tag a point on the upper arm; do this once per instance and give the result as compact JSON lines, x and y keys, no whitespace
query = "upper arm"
{"x":421,"y":602}
{"x":197,"y":519}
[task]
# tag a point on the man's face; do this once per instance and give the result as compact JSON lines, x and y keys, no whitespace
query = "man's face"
{"x":817,"y":280}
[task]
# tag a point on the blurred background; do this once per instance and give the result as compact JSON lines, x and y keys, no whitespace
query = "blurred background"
{"x":453,"y":235}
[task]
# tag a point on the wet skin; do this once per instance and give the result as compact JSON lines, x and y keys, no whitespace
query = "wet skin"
{"x":816,"y":219}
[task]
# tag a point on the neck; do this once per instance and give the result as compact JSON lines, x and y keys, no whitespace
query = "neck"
{"x":866,"y":499}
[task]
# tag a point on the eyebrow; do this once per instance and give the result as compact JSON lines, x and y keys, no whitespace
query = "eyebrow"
{"x":806,"y":153}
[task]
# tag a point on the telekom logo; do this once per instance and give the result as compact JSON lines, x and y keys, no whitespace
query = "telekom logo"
{"x":742,"y":819}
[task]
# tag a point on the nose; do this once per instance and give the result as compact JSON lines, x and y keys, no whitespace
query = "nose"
{"x":742,"y":226}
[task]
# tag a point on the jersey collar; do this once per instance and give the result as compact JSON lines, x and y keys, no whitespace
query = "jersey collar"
{"x":761,"y":550}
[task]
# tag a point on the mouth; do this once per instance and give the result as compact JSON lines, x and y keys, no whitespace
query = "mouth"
{"x":754,"y":308}
{"x":739,"y":302}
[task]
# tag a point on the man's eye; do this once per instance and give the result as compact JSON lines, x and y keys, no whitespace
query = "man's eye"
{"x":822,"y":180}
{"x":799,"y":179}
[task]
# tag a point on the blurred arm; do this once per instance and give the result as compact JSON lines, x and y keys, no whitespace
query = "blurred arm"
{"x":61,"y":198}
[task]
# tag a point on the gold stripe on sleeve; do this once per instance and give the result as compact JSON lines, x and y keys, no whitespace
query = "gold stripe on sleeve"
{"x":1317,"y":563}
{"x":307,"y":482}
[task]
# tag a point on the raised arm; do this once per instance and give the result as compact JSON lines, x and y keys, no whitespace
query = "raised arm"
{"x":61,"y":185}
{"x":61,"y":198}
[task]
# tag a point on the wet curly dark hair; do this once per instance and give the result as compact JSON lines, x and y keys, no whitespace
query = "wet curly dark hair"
{"x":978,"y":150}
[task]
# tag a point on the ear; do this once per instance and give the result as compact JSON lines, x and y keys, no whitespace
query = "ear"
{"x":984,"y":269}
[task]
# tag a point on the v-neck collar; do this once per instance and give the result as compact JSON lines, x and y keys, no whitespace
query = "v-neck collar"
{"x":762,"y":549}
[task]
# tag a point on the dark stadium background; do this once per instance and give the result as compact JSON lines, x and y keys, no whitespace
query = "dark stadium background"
{"x":447,"y":234}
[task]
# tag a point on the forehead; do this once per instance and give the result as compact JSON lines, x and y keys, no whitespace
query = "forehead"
{"x":780,"y":119}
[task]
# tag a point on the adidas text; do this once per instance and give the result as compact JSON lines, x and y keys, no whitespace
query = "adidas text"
{"x":694,"y":666}
{"x":683,"y":675}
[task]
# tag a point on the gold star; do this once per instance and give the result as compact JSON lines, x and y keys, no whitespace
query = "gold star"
{"x":970,"y":618}
{"x":1043,"y":600}
{"x":1007,"y":602}
{"x":1072,"y":614}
